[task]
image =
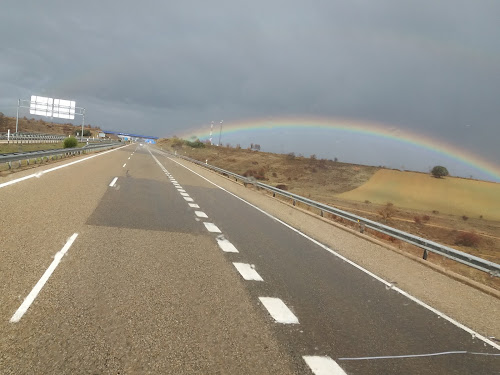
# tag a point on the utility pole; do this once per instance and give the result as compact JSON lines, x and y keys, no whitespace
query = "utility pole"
{"x":220,"y":131}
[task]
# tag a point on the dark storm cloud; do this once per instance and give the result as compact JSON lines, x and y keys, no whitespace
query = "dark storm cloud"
{"x":429,"y":66}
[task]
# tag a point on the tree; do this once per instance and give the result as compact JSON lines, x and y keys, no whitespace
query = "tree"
{"x":439,"y":171}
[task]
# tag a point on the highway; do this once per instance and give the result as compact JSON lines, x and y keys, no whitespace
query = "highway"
{"x":129,"y":261}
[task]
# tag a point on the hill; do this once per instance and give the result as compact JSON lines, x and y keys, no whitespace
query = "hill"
{"x":27,"y":125}
{"x":456,"y":196}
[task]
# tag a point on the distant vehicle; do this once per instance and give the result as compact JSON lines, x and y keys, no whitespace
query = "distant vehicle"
{"x":140,"y":144}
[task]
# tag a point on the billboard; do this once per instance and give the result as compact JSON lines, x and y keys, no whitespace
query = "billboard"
{"x":50,"y":107}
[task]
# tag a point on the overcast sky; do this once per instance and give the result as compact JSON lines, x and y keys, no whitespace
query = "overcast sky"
{"x":160,"y":67}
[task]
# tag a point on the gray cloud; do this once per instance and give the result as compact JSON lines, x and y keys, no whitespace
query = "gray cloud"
{"x":159,"y":67}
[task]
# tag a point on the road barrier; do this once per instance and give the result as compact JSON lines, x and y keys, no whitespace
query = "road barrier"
{"x":427,"y":245}
{"x":51,"y":154}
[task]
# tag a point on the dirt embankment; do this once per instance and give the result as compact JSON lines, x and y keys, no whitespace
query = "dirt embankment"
{"x":27,"y":125}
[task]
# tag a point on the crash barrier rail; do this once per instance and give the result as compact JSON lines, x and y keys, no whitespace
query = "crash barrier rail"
{"x":46,"y":154}
{"x":427,"y":245}
{"x":49,"y":138}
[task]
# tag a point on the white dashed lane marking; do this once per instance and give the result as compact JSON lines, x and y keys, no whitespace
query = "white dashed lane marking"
{"x":200,"y":214}
{"x":193,"y":205}
{"x":185,"y":194}
{"x":225,"y":245}
{"x":211,"y":227}
{"x":189,"y":199}
{"x":113,"y":182}
{"x":124,"y":165}
{"x":323,"y":365}
{"x":278,"y":310}
{"x":181,"y":190}
{"x":247,"y":271}
{"x":45,"y":277}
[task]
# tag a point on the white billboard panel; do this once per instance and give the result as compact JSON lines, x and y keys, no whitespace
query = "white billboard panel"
{"x":41,"y":105}
{"x":64,"y":109}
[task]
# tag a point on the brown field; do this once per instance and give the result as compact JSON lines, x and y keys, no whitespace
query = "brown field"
{"x":441,"y":210}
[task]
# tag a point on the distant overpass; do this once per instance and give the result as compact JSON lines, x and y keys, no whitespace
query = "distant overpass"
{"x":132,"y":137}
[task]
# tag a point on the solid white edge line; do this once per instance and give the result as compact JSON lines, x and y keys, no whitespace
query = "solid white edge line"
{"x":247,"y":271}
{"x":39,"y":174}
{"x":386,"y":283}
{"x":39,"y":285}
{"x":278,"y":310}
{"x":212,"y":227}
{"x":113,"y":182}
{"x":226,"y":246}
{"x":323,"y":365}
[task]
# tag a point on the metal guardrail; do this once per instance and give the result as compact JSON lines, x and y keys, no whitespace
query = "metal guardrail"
{"x":29,"y":155}
{"x":427,"y":245}
{"x":32,"y":137}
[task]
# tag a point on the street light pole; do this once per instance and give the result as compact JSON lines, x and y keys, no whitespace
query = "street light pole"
{"x":83,"y":121}
{"x":220,"y":131}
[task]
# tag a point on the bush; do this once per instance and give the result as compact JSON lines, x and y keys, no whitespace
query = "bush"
{"x":426,"y":218}
{"x":465,"y":218}
{"x":387,"y":212}
{"x":439,"y":171}
{"x":417,"y":220}
{"x":469,"y":239}
{"x":274,"y":174}
{"x":195,"y":144}
{"x":290,"y":156}
{"x":70,"y":142}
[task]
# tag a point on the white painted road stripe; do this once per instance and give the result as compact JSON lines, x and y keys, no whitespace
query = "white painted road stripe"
{"x":323,"y":365}
{"x":211,"y":227}
{"x":128,"y":158}
{"x":180,"y":190}
{"x":39,"y":174}
{"x":113,"y":182}
{"x":39,"y":285}
{"x":226,"y":246}
{"x":189,"y":199}
{"x":185,"y":194}
{"x":278,"y":310}
{"x":385,"y":282}
{"x":200,"y":214}
{"x":193,"y":205}
{"x":124,"y":165}
{"x":247,"y":271}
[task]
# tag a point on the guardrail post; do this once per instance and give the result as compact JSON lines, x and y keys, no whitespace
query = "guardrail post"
{"x":10,"y":164}
{"x":361,"y":227}
{"x":293,"y":202}
{"x":425,"y":254}
{"x":27,"y":161}
{"x":321,"y":213}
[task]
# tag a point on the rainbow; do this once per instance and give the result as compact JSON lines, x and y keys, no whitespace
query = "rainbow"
{"x":356,"y":127}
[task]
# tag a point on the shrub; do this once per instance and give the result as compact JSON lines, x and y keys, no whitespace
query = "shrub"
{"x":274,"y":174}
{"x":195,"y":144}
{"x":70,"y":142}
{"x":367,"y":201}
{"x":290,"y":156}
{"x":465,"y":218}
{"x":387,"y":212}
{"x":469,"y":239}
{"x":435,"y":211}
{"x":426,"y":218}
{"x":417,"y":220}
{"x":282,"y":186}
{"x":439,"y":171}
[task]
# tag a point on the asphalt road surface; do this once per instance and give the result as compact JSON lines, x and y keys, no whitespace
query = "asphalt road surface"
{"x":129,"y":262}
